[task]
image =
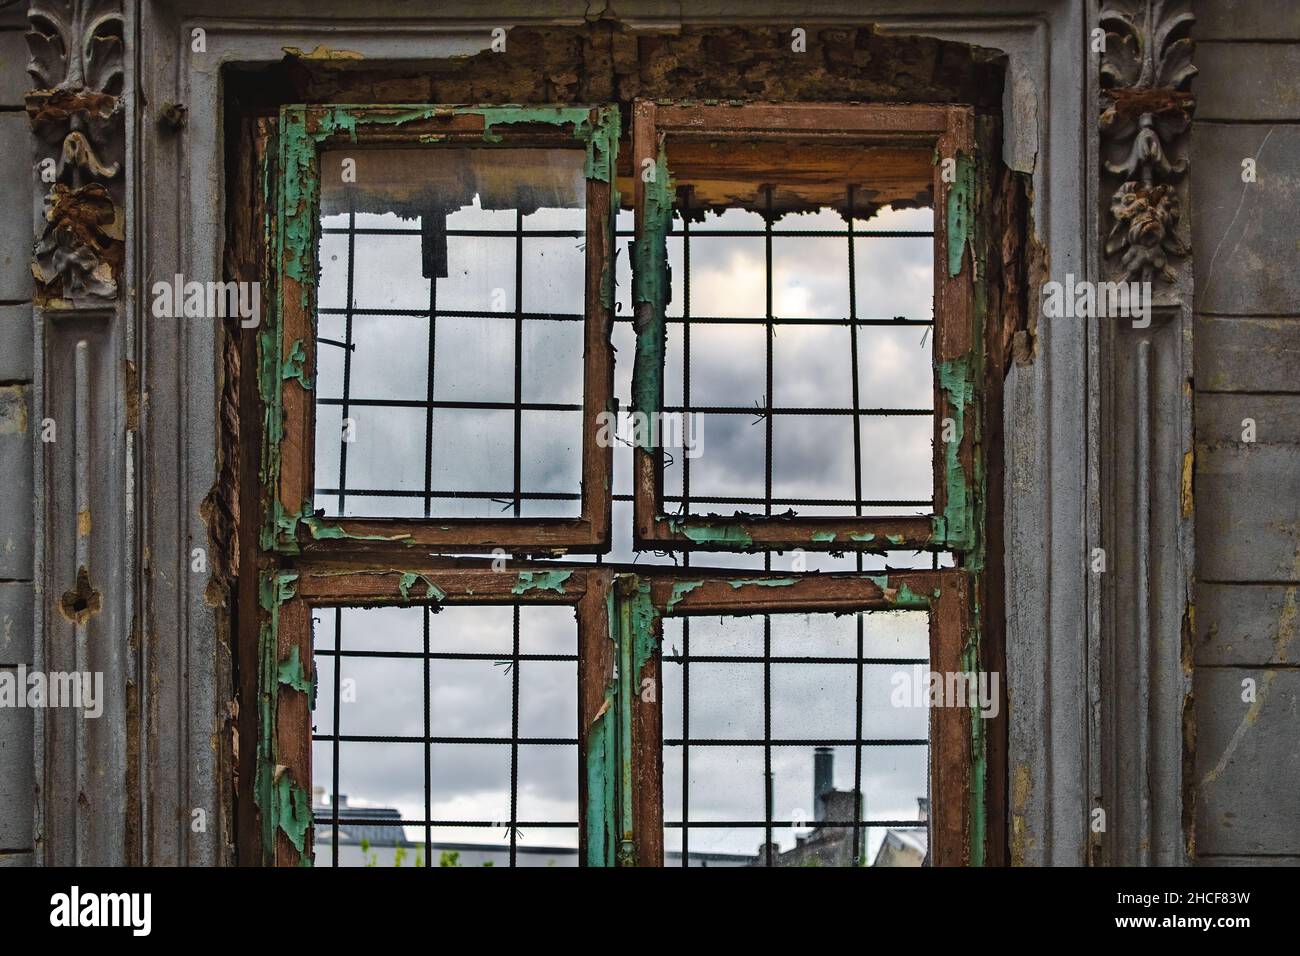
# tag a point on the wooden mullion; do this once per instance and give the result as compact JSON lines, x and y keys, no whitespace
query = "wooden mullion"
{"x":951,"y":745}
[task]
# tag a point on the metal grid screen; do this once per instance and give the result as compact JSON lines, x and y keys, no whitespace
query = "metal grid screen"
{"x":869,"y":443}
{"x":767,"y":703}
{"x":466,"y":708}
{"x":455,"y":394}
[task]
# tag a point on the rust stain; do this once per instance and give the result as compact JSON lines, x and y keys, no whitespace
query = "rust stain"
{"x":132,"y":397}
{"x":1188,"y":462}
{"x":1020,"y":791}
{"x":82,"y":601}
{"x":50,"y":107}
{"x":13,"y":410}
{"x":1130,"y":103}
{"x":322,"y":52}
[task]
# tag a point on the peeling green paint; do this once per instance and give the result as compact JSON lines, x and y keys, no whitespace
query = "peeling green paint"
{"x":958,"y":377}
{"x":863,"y":537}
{"x":601,"y":760}
{"x":823,"y":537}
{"x":680,"y":590}
{"x":960,"y":212}
{"x":293,"y":812}
{"x":290,"y":674}
{"x":962,"y":524}
{"x":407,"y":581}
{"x":712,"y":534}
{"x":637,"y":644}
{"x":300,"y":190}
{"x":281,"y":533}
{"x":651,"y":292}
{"x":295,"y":366}
{"x":957,"y":383}
{"x":284,"y":804}
{"x":901,"y":595}
{"x":541,"y":581}
{"x":321,"y":529}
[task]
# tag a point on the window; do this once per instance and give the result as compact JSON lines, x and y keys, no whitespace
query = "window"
{"x":796,"y":159}
{"x":495,"y":630}
{"x":441,"y":359}
{"x":470,"y":690}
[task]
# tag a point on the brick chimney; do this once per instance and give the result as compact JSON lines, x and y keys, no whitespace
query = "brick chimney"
{"x":823,"y":780}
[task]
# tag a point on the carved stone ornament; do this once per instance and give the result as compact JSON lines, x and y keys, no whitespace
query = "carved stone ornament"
{"x":1146,"y":68}
{"x":76,"y":112}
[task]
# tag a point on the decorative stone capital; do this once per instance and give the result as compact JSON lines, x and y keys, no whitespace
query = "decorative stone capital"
{"x":1146,"y":68}
{"x":76,"y":114}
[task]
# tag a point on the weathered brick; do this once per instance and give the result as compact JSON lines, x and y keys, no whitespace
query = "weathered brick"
{"x":1247,"y":624}
{"x":1247,"y":354}
{"x":1243,"y":234}
{"x":16,"y":535}
{"x":1247,"y":764}
{"x":15,"y":778}
{"x":15,"y":343}
{"x":1248,"y":81}
{"x":15,"y":623}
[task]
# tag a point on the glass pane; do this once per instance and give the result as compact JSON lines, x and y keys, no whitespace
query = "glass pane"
{"x":727,"y":680}
{"x":443,"y":374}
{"x":500,"y":750}
{"x":801,"y":347}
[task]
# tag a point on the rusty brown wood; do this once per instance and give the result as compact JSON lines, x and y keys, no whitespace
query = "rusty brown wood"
{"x":950,"y":731}
{"x":758,"y":593}
{"x":344,"y":586}
{"x":595,"y":674}
{"x":393,"y":536}
{"x":953,"y":296}
{"x":249,"y":260}
{"x":647,"y":756}
{"x":847,"y":121}
{"x":812,"y":175}
{"x":777,"y":533}
{"x":646,"y":466}
{"x":293,"y":718}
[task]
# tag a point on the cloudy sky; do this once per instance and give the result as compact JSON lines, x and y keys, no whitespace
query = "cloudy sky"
{"x":813,"y":456}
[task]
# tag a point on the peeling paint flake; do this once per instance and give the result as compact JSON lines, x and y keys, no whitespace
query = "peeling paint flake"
{"x":408,"y":580}
{"x":541,"y":581}
{"x":680,"y":590}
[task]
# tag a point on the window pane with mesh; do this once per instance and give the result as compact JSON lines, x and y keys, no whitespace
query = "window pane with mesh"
{"x":447,"y":737}
{"x":795,"y":739}
{"x":450,"y":333}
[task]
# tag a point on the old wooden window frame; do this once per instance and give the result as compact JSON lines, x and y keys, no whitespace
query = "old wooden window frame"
{"x":949,"y":131}
{"x":620,"y":728}
{"x":287,"y":348}
{"x":282,"y":789}
{"x":315,"y":562}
